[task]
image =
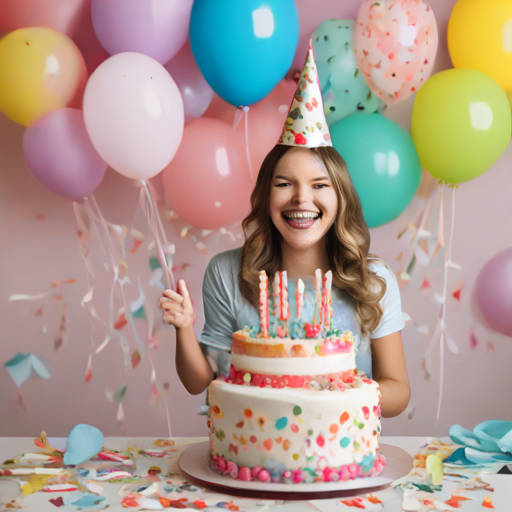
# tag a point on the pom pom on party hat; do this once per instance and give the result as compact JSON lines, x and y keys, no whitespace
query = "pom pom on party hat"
{"x":305,"y":125}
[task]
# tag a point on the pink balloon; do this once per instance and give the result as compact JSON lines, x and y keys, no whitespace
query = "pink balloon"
{"x":494,"y":292}
{"x":60,"y":155}
{"x":395,"y":45}
{"x":133,"y":112}
{"x":208,"y":181}
{"x":195,"y":91}
{"x":265,"y":120}
{"x":157,"y":28}
{"x":85,"y":38}
{"x":60,"y":15}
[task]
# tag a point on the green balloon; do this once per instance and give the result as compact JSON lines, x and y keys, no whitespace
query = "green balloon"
{"x":460,"y":124}
{"x":382,"y":162}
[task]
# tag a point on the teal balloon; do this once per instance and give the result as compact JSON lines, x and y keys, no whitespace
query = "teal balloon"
{"x":382,"y":162}
{"x":344,"y":90}
{"x":83,"y":443}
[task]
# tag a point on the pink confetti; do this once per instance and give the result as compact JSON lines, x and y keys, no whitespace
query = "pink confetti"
{"x":135,"y":358}
{"x":425,"y":284}
{"x":411,"y":413}
{"x":88,"y":371}
{"x":473,"y":340}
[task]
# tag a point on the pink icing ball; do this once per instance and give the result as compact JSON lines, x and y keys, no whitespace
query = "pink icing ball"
{"x":255,"y":471}
{"x":297,"y":476}
{"x":232,"y":469}
{"x":353,"y":470}
{"x":287,"y":474}
{"x":264,"y":475}
{"x":244,"y":473}
{"x":221,"y":464}
{"x":327,"y":474}
{"x":344,"y":474}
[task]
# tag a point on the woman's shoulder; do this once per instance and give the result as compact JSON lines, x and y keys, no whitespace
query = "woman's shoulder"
{"x":378,"y":265}
{"x":225,"y":264}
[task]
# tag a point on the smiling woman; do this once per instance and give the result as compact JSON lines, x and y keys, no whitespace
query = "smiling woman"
{"x":306,"y":219}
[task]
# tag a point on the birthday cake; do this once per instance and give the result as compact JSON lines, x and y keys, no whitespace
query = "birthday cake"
{"x":294,"y":408}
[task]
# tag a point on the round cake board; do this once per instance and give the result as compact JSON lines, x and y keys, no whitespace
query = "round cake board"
{"x":194,"y":463}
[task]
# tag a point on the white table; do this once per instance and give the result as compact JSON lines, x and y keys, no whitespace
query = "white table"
{"x":391,"y":498}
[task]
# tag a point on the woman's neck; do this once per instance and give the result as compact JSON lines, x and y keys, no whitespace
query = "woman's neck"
{"x":304,"y":262}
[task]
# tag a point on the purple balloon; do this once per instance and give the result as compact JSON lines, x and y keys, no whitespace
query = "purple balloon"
{"x":61,"y":156}
{"x":494,"y":292}
{"x":157,"y":28}
{"x":196,"y":92}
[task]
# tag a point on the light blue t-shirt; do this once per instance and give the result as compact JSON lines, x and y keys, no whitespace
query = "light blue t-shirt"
{"x":227,"y":311}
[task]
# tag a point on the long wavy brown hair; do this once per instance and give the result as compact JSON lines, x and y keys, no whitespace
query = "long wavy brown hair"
{"x":347,"y":243}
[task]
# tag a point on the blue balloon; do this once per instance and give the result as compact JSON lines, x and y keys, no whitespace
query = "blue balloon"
{"x":382,"y":162}
{"x":244,"y":47}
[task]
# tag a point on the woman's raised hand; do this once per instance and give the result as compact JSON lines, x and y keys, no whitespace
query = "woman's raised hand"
{"x":177,"y":307}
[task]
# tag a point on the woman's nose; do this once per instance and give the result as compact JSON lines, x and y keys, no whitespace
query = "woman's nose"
{"x":301,"y":195}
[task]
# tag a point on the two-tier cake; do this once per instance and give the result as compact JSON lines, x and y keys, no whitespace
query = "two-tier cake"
{"x":294,"y":408}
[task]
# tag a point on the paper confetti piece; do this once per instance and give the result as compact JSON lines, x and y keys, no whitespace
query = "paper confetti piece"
{"x":454,"y":501}
{"x":434,"y":468}
{"x":357,"y":503}
{"x":399,"y":257}
{"x":423,"y":330}
{"x":411,"y":413}
{"x":58,"y":502}
{"x":24,"y":366}
{"x":373,"y":499}
{"x":452,"y":346}
{"x":425,"y":284}
{"x":88,"y":370}
{"x":473,"y":340}
{"x":487,"y":503}
{"x":135,"y":358}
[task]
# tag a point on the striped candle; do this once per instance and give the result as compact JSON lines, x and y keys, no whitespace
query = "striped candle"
{"x":318,"y":290}
{"x":284,"y":307}
{"x":326,"y":301}
{"x":299,"y":295}
{"x":276,"y":292}
{"x":264,"y":304}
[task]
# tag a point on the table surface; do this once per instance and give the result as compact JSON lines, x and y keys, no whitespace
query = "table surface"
{"x":392,"y":499}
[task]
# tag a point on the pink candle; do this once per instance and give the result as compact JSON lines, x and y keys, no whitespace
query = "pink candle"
{"x":276,"y":289}
{"x":326,"y":301}
{"x":318,"y":288}
{"x":299,"y":295}
{"x":284,"y":312}
{"x":264,"y":303}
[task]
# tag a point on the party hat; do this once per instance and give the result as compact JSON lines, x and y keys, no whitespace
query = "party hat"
{"x":305,"y":125}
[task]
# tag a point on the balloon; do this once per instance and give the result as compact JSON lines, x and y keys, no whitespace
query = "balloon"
{"x":382,"y":163}
{"x":60,"y":15}
{"x":61,"y":156}
{"x":40,"y":71}
{"x":133,"y":113}
{"x":493,"y":292}
{"x":196,"y":92}
{"x":208,"y":182}
{"x":479,"y":38}
{"x":461,"y":124}
{"x":395,"y":45}
{"x":344,"y":90}
{"x":265,"y":120}
{"x":157,"y":28}
{"x":243,"y":48}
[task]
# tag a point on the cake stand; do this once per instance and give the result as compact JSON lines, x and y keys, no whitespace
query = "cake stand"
{"x":194,"y":463}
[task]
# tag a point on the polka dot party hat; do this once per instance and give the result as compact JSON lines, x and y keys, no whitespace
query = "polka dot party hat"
{"x":305,"y":125}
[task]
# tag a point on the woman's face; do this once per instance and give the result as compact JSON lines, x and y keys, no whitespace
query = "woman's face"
{"x":303,"y":202}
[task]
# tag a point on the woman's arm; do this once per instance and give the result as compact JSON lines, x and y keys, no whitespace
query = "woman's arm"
{"x":390,"y":371}
{"x":192,"y":366}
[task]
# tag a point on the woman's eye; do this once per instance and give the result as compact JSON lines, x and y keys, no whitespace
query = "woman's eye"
{"x":282,"y":184}
{"x":320,"y":185}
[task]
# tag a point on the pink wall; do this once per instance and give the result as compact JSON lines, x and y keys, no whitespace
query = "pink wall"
{"x":37,"y":252}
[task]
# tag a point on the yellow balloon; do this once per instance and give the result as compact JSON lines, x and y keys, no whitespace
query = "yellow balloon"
{"x":480,"y":37}
{"x":40,"y":70}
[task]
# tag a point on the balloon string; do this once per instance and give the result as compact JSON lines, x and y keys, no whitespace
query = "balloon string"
{"x":405,"y":275}
{"x":157,"y":231}
{"x":447,"y":260}
{"x":246,"y":115}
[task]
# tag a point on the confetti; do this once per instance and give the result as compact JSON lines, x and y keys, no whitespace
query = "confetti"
{"x":487,"y":503}
{"x":473,"y":340}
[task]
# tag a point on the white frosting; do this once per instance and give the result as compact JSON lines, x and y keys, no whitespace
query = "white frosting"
{"x":295,"y":365}
{"x":293,"y":424}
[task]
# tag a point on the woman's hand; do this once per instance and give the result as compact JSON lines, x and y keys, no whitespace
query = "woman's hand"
{"x":177,"y":307}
